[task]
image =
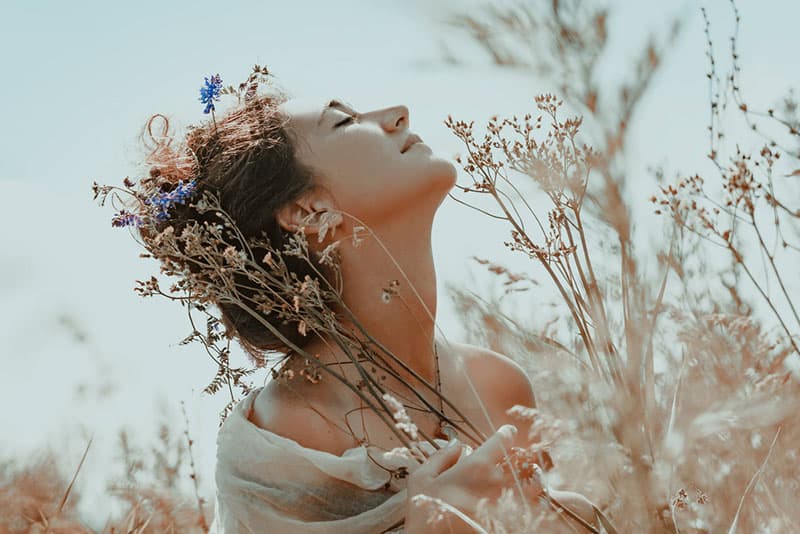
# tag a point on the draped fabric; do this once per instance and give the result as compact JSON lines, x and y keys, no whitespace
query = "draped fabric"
{"x":270,"y":483}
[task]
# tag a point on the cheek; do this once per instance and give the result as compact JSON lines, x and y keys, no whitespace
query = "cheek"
{"x":366,"y":174}
{"x":359,"y":152}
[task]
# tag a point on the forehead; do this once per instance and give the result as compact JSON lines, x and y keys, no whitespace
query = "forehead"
{"x":304,"y":113}
{"x":302,"y":108}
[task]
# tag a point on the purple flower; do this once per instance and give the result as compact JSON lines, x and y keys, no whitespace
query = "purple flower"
{"x":210,"y":92}
{"x":126,"y":218}
{"x":162,"y":202}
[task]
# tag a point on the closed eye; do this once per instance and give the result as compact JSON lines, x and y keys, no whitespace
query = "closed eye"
{"x":342,"y":122}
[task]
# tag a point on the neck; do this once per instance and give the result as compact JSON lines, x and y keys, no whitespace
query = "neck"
{"x":402,"y":319}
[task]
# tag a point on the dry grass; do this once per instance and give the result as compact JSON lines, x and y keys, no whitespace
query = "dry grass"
{"x":40,"y":496}
{"x":677,"y":400}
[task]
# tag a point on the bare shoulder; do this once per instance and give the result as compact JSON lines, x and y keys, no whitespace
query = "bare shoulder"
{"x":491,"y":366}
{"x":499,"y":381}
{"x":283,"y":413}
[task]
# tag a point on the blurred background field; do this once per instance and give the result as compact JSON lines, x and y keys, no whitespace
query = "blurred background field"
{"x":85,"y":358}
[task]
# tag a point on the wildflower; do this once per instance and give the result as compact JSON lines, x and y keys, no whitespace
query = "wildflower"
{"x":312,"y":375}
{"x":126,"y":218}
{"x":328,"y":223}
{"x":680,"y":500}
{"x":543,"y":430}
{"x":234,"y":257}
{"x":191,"y":238}
{"x":400,"y":453}
{"x":147,"y":288}
{"x":328,"y":254}
{"x":436,"y":508}
{"x":523,"y":462}
{"x":167,"y":235}
{"x":387,"y":293}
{"x":402,"y":420}
{"x":357,"y":239}
{"x":164,"y":201}
{"x":210,"y":92}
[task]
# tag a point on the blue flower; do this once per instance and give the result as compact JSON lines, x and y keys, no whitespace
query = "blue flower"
{"x":126,"y":218}
{"x":162,"y":202}
{"x":210,"y":92}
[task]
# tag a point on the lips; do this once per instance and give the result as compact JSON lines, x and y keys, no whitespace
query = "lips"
{"x":410,"y":140}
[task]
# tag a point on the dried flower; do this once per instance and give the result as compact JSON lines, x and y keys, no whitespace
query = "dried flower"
{"x":402,"y":420}
{"x":401,"y":453}
{"x":387,"y":293}
{"x":311,"y":374}
{"x":329,"y":254}
{"x":357,"y":239}
{"x":437,"y":508}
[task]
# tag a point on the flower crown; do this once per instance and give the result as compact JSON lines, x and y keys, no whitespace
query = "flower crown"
{"x":155,"y":205}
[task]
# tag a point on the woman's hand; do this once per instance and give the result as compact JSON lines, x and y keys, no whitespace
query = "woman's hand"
{"x":460,"y":484}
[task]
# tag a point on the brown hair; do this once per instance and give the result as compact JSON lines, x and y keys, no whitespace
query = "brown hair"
{"x":247,"y":159}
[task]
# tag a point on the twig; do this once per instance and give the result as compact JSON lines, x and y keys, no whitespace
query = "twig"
{"x":752,"y":482}
{"x":74,"y":477}
{"x":193,"y":474}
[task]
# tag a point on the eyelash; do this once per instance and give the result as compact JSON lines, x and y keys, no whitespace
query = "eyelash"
{"x":344,"y":121}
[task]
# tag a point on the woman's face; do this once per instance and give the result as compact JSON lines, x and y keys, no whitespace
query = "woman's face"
{"x":371,"y":163}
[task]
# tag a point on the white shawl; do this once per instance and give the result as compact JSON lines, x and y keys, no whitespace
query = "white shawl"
{"x":269,"y":483}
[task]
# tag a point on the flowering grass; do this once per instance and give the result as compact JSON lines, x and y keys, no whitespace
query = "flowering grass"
{"x":676,"y":399}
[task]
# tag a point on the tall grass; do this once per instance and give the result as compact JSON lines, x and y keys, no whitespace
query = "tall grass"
{"x":150,"y":491}
{"x":676,"y":401}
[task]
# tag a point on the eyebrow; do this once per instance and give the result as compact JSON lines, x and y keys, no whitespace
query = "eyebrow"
{"x":335,"y":104}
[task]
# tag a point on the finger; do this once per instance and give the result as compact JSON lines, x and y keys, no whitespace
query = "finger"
{"x":441,"y":460}
{"x":576,"y":503}
{"x":495,"y":449}
{"x":498,"y":476}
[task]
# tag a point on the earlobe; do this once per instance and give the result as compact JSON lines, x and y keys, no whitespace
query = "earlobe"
{"x":290,"y":216}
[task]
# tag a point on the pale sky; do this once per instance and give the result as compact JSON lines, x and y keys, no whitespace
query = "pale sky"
{"x":81,"y":79}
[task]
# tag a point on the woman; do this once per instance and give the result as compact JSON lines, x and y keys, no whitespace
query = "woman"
{"x":371,"y":170}
{"x":304,"y":453}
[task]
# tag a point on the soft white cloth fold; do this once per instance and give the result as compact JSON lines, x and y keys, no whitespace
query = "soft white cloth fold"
{"x":269,"y":483}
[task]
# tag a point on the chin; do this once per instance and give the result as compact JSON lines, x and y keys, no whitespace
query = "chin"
{"x":441,"y":181}
{"x":444,"y":173}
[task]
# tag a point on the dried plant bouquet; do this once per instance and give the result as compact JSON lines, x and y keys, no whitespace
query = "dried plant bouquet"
{"x":218,"y":265}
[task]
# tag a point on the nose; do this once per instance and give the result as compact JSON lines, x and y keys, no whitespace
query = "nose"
{"x":394,"y":118}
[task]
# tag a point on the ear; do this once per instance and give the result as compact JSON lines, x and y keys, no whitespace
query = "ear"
{"x":314,"y":213}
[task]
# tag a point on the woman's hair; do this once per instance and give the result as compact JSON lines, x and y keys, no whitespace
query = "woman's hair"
{"x":247,"y":159}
